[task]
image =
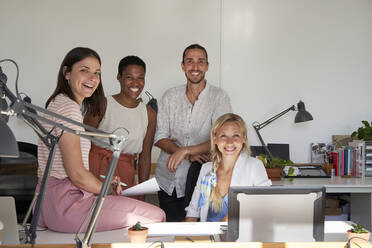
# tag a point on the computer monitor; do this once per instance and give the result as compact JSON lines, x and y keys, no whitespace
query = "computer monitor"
{"x":276,"y":214}
{"x":277,"y":150}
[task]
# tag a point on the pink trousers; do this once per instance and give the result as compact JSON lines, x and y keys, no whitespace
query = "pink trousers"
{"x":65,"y":207}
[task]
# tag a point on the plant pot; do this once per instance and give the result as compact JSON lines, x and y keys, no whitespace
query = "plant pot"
{"x":274,"y":173}
{"x":362,"y":236}
{"x":138,"y":236}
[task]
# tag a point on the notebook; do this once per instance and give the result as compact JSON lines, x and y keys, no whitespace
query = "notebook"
{"x":9,"y":218}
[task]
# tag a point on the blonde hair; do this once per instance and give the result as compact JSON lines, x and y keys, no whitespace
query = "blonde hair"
{"x":216,"y":155}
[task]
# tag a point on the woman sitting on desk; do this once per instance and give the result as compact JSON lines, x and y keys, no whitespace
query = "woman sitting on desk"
{"x":72,"y":188}
{"x":231,"y":166}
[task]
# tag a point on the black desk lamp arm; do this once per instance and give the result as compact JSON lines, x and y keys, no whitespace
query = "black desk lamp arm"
{"x":258,"y":126}
{"x":29,"y":113}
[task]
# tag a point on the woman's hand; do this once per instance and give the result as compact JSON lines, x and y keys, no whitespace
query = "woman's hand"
{"x":191,"y":219}
{"x":115,"y":186}
{"x":225,"y":218}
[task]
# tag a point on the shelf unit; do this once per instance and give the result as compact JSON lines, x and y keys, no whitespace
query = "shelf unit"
{"x":368,"y":158}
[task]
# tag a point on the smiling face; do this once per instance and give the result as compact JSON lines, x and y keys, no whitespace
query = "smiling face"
{"x":132,"y":81}
{"x":84,"y":77}
{"x":229,"y":139}
{"x":195,"y":65}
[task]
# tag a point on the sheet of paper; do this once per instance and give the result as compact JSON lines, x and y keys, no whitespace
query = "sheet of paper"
{"x":147,"y":187}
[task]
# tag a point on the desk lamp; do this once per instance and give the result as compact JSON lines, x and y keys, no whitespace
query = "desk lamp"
{"x":8,"y":146}
{"x":301,"y":116}
{"x":24,"y":110}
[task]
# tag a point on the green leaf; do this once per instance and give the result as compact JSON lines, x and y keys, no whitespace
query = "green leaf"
{"x":137,"y":226}
{"x":364,"y":132}
{"x":368,"y":136}
{"x":277,"y":162}
{"x":366,"y":124}
{"x":357,"y":228}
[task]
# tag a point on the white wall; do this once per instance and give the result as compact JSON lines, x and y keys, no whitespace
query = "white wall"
{"x":38,"y":34}
{"x":275,"y":53}
{"x":267,"y":54}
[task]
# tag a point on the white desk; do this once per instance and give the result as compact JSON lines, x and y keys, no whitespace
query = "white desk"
{"x":361,"y":208}
{"x":360,"y":190}
{"x":165,"y":232}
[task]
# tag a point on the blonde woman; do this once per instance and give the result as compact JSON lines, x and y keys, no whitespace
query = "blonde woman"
{"x":231,"y":165}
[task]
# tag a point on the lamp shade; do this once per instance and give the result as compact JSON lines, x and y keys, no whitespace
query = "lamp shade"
{"x":302,"y":115}
{"x":8,"y":143}
{"x":3,"y":107}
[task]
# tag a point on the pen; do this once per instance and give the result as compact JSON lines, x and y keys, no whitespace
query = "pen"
{"x":121,"y":183}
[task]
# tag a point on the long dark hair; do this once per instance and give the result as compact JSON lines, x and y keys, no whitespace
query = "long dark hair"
{"x":93,"y":104}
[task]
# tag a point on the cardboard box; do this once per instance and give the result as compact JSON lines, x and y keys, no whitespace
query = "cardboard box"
{"x":333,"y":211}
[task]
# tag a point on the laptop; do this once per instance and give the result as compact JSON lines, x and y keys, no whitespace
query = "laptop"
{"x":9,"y":218}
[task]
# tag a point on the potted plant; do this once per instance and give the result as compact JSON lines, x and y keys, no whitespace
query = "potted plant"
{"x":363,"y":133}
{"x":274,"y":167}
{"x":138,"y":233}
{"x":358,"y":231}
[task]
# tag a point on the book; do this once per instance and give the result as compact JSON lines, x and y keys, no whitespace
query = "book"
{"x":353,"y":171}
{"x":335,"y":162}
{"x":341,"y":164}
{"x":351,"y":158}
{"x":359,"y":147}
{"x":346,"y":161}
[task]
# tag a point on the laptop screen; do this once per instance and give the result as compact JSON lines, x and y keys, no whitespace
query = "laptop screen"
{"x":9,"y":219}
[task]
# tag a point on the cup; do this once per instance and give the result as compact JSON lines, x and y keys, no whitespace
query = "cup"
{"x":332,"y":173}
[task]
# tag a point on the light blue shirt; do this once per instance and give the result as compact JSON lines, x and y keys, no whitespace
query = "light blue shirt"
{"x":213,"y":216}
{"x":248,"y":171}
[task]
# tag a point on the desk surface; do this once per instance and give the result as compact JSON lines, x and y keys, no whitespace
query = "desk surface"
{"x":209,"y":245}
{"x":165,"y":231}
{"x":333,"y":185}
{"x":333,"y":230}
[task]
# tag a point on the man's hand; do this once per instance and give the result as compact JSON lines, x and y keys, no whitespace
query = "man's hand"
{"x":175,"y":159}
{"x":201,"y":158}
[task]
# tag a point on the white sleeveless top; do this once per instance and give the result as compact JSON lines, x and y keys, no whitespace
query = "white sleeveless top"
{"x":135,"y":120}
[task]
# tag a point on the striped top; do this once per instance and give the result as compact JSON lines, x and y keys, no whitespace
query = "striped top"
{"x":62,"y":105}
